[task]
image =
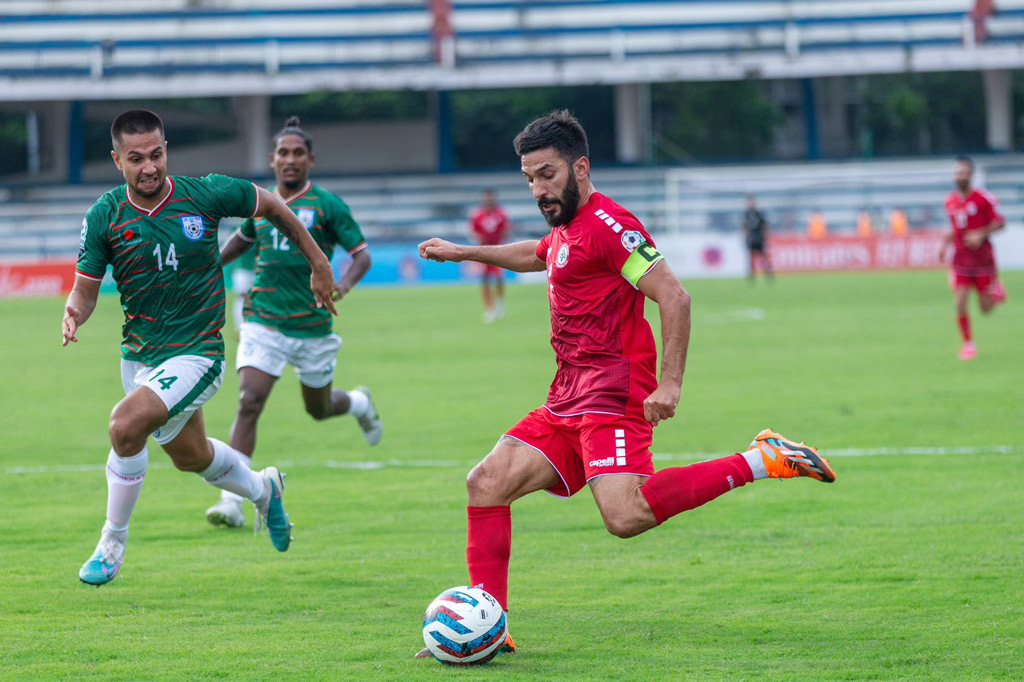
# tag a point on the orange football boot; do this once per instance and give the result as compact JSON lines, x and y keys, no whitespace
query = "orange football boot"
{"x":784,"y":458}
{"x":509,"y":647}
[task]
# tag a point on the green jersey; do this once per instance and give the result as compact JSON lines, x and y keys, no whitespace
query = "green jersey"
{"x":280,"y":296}
{"x":166,"y":262}
{"x":247,"y":261}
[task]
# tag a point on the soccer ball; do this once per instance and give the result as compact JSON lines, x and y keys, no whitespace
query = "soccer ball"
{"x":464,"y":626}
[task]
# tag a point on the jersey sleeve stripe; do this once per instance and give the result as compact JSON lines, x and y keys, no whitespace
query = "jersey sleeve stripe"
{"x":357,"y":248}
{"x":243,"y":237}
{"x":95,"y":278}
{"x":256,"y":208}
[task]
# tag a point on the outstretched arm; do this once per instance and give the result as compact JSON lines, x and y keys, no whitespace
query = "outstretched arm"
{"x":360,"y":265}
{"x":235,"y":247}
{"x":321,"y":281}
{"x":517,"y":257}
{"x":79,"y":306}
{"x":661,"y":286}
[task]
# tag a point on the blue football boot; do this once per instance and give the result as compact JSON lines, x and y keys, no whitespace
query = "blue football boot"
{"x":271,"y":514}
{"x":105,"y":562}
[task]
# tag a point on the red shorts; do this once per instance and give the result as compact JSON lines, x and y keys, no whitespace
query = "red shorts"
{"x":985,"y":284}
{"x":492,"y":271}
{"x":586,"y":446}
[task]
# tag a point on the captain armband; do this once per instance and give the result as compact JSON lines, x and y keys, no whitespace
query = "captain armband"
{"x":640,"y":262}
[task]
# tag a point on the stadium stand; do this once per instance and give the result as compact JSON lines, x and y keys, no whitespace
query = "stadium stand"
{"x":388,"y":45}
{"x":44,"y":222}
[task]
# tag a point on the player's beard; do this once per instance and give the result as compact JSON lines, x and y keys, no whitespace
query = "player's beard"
{"x":567,"y":204}
{"x":149,"y":194}
{"x":963,"y":185}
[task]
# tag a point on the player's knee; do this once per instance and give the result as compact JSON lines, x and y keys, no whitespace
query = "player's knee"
{"x":250,"y":403}
{"x":484,"y":482}
{"x":626,"y":521}
{"x":477,"y":481}
{"x":624,"y":526}
{"x":127,"y":437}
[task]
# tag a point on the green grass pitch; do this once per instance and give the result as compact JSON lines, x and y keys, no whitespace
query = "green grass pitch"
{"x":910,"y":567}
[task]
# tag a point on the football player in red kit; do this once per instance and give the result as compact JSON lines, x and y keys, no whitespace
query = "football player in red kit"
{"x":489,"y":224}
{"x":974,"y":215}
{"x":597,"y":425}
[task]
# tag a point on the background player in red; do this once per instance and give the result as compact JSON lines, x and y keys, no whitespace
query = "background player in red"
{"x":974,"y":215}
{"x":490,"y":225}
{"x":598,"y":422}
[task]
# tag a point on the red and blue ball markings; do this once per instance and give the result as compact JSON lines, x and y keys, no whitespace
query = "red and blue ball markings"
{"x":444,"y":615}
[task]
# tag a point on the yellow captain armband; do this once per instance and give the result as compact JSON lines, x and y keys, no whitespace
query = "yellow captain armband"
{"x":640,"y":262}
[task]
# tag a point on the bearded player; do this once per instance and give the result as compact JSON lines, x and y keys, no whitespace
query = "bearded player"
{"x":283,"y":325}
{"x":974,"y":216}
{"x":159,"y":235}
{"x":597,"y":425}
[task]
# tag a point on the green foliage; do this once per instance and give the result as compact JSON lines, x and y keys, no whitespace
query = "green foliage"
{"x":14,"y":143}
{"x":713,"y":120}
{"x":908,"y":568}
{"x":188,"y":121}
{"x":485,"y":122}
{"x":925,"y":113}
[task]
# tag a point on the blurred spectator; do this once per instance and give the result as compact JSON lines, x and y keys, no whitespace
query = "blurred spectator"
{"x":817,"y":227}
{"x":898,"y":224}
{"x":864,"y":227}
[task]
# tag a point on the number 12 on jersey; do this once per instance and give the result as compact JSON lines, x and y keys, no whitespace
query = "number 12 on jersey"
{"x":279,"y":241}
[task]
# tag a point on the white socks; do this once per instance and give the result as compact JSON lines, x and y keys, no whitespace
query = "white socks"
{"x":755,"y":460}
{"x":360,"y":404}
{"x":124,"y":483}
{"x":227,"y":494}
{"x":230,"y":471}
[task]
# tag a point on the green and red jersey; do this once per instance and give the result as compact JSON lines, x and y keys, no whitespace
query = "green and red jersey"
{"x":166,"y":262}
{"x":280,"y":296}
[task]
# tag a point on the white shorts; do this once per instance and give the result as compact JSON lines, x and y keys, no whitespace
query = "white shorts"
{"x":268,"y":350}
{"x":183,"y":383}
{"x":241,"y":280}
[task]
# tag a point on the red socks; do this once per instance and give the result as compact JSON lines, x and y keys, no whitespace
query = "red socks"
{"x":488,"y":547}
{"x":965,"y":327}
{"x":673,"y":491}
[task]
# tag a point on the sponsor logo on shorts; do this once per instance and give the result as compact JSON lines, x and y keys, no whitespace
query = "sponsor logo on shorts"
{"x":606,"y":462}
{"x":192,"y":227}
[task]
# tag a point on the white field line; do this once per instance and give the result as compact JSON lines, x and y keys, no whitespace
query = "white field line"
{"x":452,"y":463}
{"x":730,"y":316}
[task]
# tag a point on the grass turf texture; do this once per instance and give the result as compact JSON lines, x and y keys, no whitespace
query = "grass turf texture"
{"x":910,"y":567}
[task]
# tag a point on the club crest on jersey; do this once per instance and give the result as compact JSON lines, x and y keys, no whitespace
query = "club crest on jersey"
{"x":632,"y":239}
{"x":306,"y":217}
{"x":192,"y":227}
{"x":562,"y":257}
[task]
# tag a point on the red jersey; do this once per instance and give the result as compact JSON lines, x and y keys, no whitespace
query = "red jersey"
{"x":490,"y":226}
{"x":603,"y":345}
{"x":978,"y":209}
